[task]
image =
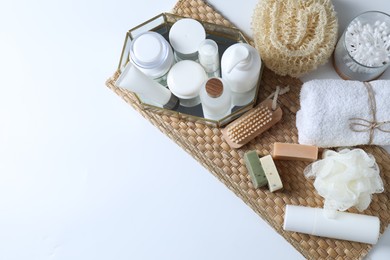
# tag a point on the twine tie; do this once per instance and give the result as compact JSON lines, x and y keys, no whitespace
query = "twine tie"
{"x":278,"y":92}
{"x":363,"y":125}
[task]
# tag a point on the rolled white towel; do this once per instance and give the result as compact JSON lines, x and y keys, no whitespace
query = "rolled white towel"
{"x":328,"y":107}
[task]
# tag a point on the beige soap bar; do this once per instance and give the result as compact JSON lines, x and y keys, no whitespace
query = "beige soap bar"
{"x":271,"y":173}
{"x":298,"y":152}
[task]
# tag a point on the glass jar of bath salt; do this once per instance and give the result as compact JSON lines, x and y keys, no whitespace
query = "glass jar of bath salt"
{"x":363,"y":51}
{"x":152,"y":55}
{"x":216,"y":99}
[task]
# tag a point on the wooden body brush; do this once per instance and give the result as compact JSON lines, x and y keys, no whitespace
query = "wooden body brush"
{"x":252,"y":123}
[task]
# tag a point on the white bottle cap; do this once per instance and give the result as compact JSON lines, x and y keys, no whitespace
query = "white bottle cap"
{"x":186,"y":78}
{"x":186,"y":35}
{"x":151,"y":53}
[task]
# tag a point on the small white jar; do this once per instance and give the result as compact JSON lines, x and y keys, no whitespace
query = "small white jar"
{"x":216,"y":99}
{"x":185,"y":37}
{"x":209,"y":57}
{"x":153,"y":55}
{"x":185,"y":79}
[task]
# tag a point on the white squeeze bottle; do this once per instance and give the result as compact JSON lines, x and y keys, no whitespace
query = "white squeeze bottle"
{"x":240,"y":65}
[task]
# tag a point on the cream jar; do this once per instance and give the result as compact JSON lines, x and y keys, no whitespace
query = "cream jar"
{"x":153,"y":55}
{"x":185,"y":79}
{"x":185,"y":37}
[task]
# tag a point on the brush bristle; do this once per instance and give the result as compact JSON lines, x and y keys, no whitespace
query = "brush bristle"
{"x":252,"y":123}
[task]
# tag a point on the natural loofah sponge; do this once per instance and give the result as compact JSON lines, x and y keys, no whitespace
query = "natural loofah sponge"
{"x":294,"y":36}
{"x":345,"y":179}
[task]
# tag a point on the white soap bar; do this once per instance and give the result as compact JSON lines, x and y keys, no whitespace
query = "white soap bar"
{"x":344,"y":226}
{"x":271,"y":173}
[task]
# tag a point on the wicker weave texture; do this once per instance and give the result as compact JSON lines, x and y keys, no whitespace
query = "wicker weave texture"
{"x":207,"y":146}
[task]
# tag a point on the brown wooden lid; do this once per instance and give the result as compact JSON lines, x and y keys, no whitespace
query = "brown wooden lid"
{"x":214,"y":87}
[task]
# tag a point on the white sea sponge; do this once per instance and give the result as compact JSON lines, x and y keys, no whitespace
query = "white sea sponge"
{"x":346,"y":179}
{"x":294,"y":36}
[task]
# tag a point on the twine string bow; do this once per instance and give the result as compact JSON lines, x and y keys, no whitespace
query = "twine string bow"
{"x":363,"y":125}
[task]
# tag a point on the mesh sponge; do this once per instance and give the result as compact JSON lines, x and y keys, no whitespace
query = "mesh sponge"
{"x":294,"y":36}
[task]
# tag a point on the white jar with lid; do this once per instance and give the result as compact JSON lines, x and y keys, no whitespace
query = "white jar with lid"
{"x":153,"y":55}
{"x":185,"y":79}
{"x":185,"y":37}
{"x":240,"y":65}
{"x":216,"y":99}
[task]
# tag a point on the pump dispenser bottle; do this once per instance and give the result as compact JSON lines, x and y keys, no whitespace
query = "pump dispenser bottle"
{"x":240,"y":65}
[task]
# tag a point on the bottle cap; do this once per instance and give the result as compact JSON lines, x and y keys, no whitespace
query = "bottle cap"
{"x":214,"y":88}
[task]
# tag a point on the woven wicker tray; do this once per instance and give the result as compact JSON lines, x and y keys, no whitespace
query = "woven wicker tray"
{"x":206,"y":145}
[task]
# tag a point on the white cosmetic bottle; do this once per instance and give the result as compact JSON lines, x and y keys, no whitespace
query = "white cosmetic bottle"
{"x":215,"y":98}
{"x":240,"y":65}
{"x":344,"y":225}
{"x":152,"y":55}
{"x":209,"y":58}
{"x":134,"y":80}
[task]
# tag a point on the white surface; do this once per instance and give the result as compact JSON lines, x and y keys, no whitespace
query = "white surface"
{"x":83,"y":175}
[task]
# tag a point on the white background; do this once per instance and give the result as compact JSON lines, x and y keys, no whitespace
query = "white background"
{"x":84,"y":176}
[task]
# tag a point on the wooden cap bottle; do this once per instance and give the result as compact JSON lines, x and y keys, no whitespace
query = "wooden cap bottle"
{"x":215,"y":98}
{"x":214,"y":87}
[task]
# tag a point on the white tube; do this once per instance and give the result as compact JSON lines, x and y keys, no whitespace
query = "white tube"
{"x":344,"y":226}
{"x":134,"y":80}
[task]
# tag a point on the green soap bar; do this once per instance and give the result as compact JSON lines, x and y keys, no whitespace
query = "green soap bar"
{"x":255,"y":169}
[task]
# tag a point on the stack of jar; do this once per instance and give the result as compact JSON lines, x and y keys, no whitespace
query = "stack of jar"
{"x":191,"y":70}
